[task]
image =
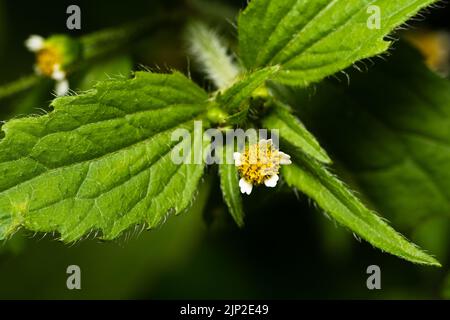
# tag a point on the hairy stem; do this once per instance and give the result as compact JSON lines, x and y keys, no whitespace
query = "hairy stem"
{"x":207,"y":48}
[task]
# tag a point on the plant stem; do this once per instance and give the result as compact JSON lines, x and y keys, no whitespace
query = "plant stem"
{"x":19,"y":85}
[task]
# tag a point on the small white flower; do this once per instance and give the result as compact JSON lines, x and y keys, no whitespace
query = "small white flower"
{"x":48,"y":63}
{"x":34,"y":43}
{"x":260,"y":164}
{"x":62,"y":85}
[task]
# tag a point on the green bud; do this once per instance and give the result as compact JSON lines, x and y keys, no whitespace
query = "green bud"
{"x":217,"y":115}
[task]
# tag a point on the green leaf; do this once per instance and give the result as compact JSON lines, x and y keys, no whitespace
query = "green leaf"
{"x":312,"y":39}
{"x":229,"y":183}
{"x":101,"y":161}
{"x":399,"y":155}
{"x":310,"y":177}
{"x":234,"y":98}
{"x":292,"y":131}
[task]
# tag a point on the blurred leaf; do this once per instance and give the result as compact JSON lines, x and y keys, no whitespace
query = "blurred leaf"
{"x":106,"y":41}
{"x":18,"y":86}
{"x":101,"y":161}
{"x":446,"y":288}
{"x":108,"y":68}
{"x":15,"y":246}
{"x":335,"y":241}
{"x":434,"y":234}
{"x":391,"y":129}
{"x":34,"y":101}
{"x":310,"y":177}
{"x":313,"y":39}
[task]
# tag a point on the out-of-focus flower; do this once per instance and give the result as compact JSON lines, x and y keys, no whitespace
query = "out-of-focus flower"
{"x":435,"y":46}
{"x":54,"y":56}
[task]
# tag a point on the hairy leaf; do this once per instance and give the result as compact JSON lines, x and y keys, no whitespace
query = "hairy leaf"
{"x":233,"y":98}
{"x":394,"y":145}
{"x":310,"y":177}
{"x":100,"y":161}
{"x":312,"y":39}
{"x":292,"y":131}
{"x":229,"y":183}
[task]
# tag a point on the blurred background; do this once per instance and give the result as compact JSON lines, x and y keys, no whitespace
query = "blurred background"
{"x":288,"y":248}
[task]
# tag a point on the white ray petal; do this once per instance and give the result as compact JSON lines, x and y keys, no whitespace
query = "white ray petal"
{"x":272,"y":181}
{"x":237,"y":159}
{"x":34,"y":43}
{"x":62,"y":87}
{"x":58,"y":74}
{"x":246,"y":187}
{"x":285,"y":158}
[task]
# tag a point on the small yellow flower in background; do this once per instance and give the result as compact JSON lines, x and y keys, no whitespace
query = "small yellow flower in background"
{"x":53,"y":55}
{"x":435,"y":47}
{"x":259,"y":164}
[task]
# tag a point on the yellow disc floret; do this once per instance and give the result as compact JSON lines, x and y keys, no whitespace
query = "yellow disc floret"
{"x":47,"y":58}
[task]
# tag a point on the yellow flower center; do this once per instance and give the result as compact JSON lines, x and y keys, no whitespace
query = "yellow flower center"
{"x":47,"y":58}
{"x":259,"y":162}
